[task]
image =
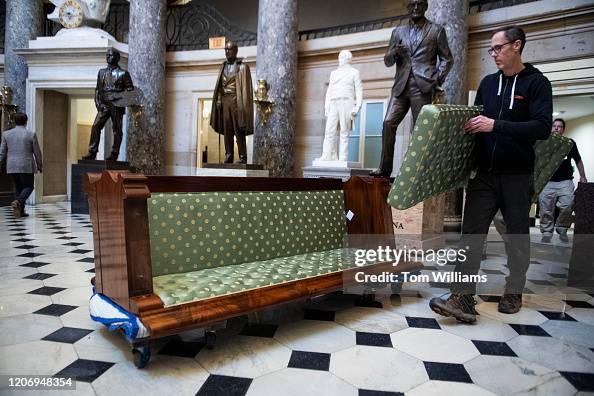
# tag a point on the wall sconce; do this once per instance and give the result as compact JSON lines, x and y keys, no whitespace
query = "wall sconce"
{"x":263,"y":104}
{"x":7,"y":109}
{"x":137,"y":111}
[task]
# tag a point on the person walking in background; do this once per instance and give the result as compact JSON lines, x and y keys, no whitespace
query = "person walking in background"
{"x":559,"y":192}
{"x":21,"y":151}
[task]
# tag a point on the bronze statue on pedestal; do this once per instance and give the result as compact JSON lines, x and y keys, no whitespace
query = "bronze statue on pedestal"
{"x":112,"y":84}
{"x":232,"y":112}
{"x":420,"y":50}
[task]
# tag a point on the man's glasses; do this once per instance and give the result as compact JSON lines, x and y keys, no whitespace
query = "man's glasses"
{"x":497,"y":48}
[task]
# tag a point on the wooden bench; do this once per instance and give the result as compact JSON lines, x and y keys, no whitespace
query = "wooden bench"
{"x":187,"y":252}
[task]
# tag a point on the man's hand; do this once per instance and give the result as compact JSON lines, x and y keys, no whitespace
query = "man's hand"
{"x":219,"y":104}
{"x":399,"y":49}
{"x":479,"y":124}
{"x":583,"y":179}
{"x":40,"y":170}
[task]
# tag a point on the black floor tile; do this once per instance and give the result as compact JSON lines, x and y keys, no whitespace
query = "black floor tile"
{"x":530,"y":330}
{"x":68,"y":335}
{"x":177,"y":347}
{"x":423,"y":323}
{"x":30,"y":255}
{"x":92,"y":270}
{"x":493,"y":272}
{"x":61,"y":232}
{"x":66,"y":237}
{"x":440,"y":285}
{"x":374,"y":339}
{"x":85,"y":370}
{"x":318,"y":314}
{"x":310,"y":360}
{"x":39,"y":276}
{"x":80,"y":251}
{"x":558,"y":275}
{"x":581,"y":381}
{"x":26,"y":247}
{"x":557,"y":316}
{"x":216,"y":385}
{"x":541,"y":282}
{"x":490,"y":298}
{"x":535,"y":262}
{"x":73,"y":244}
{"x":46,"y":291}
{"x":579,"y":304}
{"x":21,"y":234}
{"x":367,"y":392}
{"x":259,"y":330}
{"x":367,"y":303}
{"x":86,"y":260}
{"x":493,"y":348}
{"x":447,"y":372}
{"x":34,"y":264}
{"x":23,"y":240}
{"x":55,"y":310}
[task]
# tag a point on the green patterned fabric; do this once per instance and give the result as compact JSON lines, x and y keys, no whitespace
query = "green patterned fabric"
{"x":195,"y":231}
{"x":192,"y":286}
{"x":549,"y":155}
{"x":439,"y":155}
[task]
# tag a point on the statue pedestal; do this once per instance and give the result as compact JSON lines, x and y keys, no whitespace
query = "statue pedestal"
{"x":78,"y":198}
{"x":420,"y":226}
{"x":233,"y":170}
{"x":337,"y":172}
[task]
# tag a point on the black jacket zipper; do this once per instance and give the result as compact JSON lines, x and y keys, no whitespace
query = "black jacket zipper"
{"x":498,"y":117}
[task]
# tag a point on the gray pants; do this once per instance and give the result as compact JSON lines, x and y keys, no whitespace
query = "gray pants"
{"x":561,"y":195}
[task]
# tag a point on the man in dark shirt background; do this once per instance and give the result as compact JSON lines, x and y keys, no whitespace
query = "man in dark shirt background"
{"x":559,"y":192}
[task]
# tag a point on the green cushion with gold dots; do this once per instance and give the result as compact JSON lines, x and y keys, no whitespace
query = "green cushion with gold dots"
{"x":213,"y":282}
{"x":439,"y":155}
{"x":196,"y":231}
{"x":549,"y":155}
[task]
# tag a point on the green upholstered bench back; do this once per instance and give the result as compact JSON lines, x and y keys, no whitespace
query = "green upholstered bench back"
{"x":439,"y":155}
{"x":194,"y":231}
{"x":548,"y":156}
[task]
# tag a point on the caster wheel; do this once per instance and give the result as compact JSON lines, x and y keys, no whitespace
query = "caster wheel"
{"x":210,"y":338}
{"x":142,"y":356}
{"x":93,"y":281}
{"x":396,"y":287}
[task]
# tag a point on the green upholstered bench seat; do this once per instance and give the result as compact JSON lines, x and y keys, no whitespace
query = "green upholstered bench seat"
{"x":212,"y":282}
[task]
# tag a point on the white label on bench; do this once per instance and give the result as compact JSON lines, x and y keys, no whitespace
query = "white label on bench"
{"x":350,"y":215}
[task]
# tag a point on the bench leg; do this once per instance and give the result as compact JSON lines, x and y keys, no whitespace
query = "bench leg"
{"x":210,"y":338}
{"x":142,"y":355}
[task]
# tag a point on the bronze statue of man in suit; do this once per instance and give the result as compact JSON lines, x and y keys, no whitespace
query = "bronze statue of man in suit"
{"x":111,"y":82}
{"x":232,"y":112}
{"x":420,"y":50}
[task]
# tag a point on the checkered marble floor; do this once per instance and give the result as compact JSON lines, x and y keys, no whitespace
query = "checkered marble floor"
{"x":339,"y":345}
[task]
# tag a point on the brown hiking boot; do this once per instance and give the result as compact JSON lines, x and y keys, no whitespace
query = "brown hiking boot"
{"x":16,"y":208}
{"x":460,"y":306}
{"x":510,"y":303}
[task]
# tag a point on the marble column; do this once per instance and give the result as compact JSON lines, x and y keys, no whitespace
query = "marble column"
{"x":24,"y":22}
{"x":451,"y":14}
{"x":276,"y":62}
{"x":145,"y":143}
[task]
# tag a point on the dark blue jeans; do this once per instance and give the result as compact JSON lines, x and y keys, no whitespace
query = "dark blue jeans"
{"x":23,"y":186}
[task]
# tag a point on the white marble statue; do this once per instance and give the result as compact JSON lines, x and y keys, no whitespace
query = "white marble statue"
{"x":343,"y":102}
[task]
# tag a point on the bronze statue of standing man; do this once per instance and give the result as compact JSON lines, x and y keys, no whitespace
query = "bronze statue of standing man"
{"x":420,"y":50}
{"x":112,"y":82}
{"x":232,"y":112}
